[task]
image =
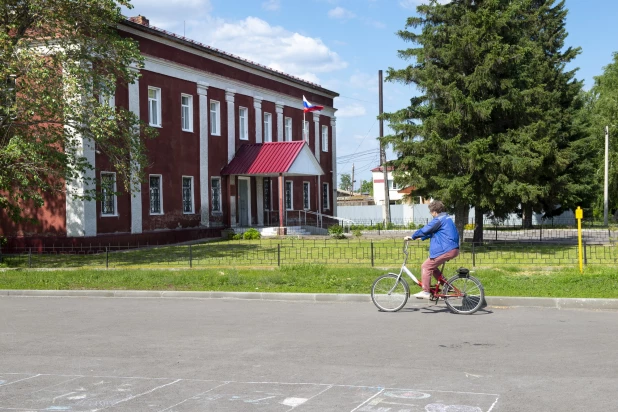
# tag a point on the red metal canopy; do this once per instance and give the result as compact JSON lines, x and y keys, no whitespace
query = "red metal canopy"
{"x":274,"y":158}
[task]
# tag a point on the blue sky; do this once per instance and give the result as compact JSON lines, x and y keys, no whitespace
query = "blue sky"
{"x":341,"y":45}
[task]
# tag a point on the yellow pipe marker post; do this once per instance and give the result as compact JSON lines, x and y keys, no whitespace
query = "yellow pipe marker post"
{"x":579,"y":215}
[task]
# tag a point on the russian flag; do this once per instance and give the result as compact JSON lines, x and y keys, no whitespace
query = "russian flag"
{"x":308,"y":107}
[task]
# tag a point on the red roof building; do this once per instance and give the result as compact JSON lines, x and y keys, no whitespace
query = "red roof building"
{"x":227,"y":127}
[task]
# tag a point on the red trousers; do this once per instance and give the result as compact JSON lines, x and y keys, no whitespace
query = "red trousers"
{"x":430,"y":267}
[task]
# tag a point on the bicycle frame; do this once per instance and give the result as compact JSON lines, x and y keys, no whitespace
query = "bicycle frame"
{"x":434,"y":290}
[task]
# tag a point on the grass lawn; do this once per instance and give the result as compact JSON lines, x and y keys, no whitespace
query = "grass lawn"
{"x":595,"y":282}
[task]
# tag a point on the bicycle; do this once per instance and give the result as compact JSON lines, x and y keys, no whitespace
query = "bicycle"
{"x":462,"y":293}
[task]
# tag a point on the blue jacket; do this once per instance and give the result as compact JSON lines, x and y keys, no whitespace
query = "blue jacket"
{"x":443,"y":234}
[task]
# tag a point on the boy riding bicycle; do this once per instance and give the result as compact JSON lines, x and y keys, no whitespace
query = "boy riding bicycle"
{"x":444,"y":244}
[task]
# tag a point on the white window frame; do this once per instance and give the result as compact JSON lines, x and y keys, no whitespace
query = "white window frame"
{"x":212,"y":195}
{"x":306,"y":131}
{"x":188,"y":116}
{"x":325,"y":138}
{"x":307,"y":206}
{"x":327,"y":199}
{"x":113,"y":189}
{"x":107,"y":99}
{"x":215,"y":126}
{"x":156,"y":100}
{"x":243,"y":123}
{"x":160,"y":196}
{"x":192,"y":212}
{"x":268,"y":128}
{"x":291,"y":183}
{"x":288,"y":129}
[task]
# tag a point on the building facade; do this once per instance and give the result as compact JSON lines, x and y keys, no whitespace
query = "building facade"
{"x":206,"y":104}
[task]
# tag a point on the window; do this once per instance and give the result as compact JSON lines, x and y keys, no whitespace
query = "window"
{"x":267,"y":192}
{"x":325,"y":138}
{"x":288,"y":195}
{"x":243,"y":120}
{"x":187,"y":195}
{"x":156,"y":195}
{"x":215,"y":116}
{"x":306,"y":195}
{"x":186,"y":112}
{"x":288,"y":129}
{"x":306,"y":131}
{"x":108,"y":194}
{"x":392,"y":185}
{"x":215,"y":198}
{"x":107,"y":98}
{"x":154,"y":106}
{"x":325,"y":197}
{"x":268,"y":129}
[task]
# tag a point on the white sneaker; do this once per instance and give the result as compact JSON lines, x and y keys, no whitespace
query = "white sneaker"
{"x":422,"y":295}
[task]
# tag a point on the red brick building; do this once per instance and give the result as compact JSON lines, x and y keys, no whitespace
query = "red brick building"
{"x":207,"y":104}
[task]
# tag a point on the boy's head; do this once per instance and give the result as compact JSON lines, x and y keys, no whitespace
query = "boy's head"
{"x":436,"y":207}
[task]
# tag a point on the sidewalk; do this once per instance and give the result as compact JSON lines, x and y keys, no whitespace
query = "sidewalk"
{"x":492,"y":301}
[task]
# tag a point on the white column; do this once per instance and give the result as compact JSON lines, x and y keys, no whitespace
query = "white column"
{"x":279,"y":110}
{"x":318,"y":136}
{"x":231,"y":126}
{"x":202,"y":91}
{"x":259,"y":190}
{"x":136,"y":189}
{"x":333,"y":147}
{"x":257,"y":105}
{"x":81,"y":214}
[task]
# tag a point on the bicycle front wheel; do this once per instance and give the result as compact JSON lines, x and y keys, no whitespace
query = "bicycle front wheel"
{"x":390,"y":292}
{"x":463,"y":294}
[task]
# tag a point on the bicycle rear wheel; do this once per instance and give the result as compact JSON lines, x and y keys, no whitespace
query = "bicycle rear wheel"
{"x":463,"y":294}
{"x":390,"y":294}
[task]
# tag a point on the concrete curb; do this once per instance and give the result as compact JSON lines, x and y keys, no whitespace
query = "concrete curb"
{"x":492,"y":301}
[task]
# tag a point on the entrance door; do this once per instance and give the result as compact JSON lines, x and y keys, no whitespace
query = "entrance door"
{"x":243,"y":202}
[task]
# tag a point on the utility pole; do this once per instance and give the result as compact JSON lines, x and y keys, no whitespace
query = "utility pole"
{"x":352,"y":179}
{"x":386,"y":213}
{"x":605,"y":190}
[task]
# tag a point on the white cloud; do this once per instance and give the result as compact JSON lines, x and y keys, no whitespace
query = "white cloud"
{"x":353,"y":110}
{"x":340,"y":13}
{"x":272,"y":46}
{"x":271,"y":5}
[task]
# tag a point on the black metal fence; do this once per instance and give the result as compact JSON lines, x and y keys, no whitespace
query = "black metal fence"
{"x":279,"y":252}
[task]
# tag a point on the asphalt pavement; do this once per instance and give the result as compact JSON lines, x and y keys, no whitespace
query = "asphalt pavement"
{"x":193,"y":354}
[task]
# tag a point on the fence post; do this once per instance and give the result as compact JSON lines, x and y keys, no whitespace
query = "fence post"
{"x":190,"y":256}
{"x":541,"y":232}
{"x":473,"y":255}
{"x":106,"y":258}
{"x":0,"y":254}
{"x":30,"y":257}
{"x":278,"y":254}
{"x":585,"y":255}
{"x":371,"y":253}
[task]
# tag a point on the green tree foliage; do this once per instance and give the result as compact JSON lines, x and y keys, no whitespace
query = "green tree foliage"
{"x":59,"y":60}
{"x":345,"y":182}
{"x":367,"y":187}
{"x":492,"y":126}
{"x":603,"y":111}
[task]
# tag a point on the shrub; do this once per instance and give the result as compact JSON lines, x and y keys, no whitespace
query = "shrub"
{"x":3,"y":241}
{"x":336,"y":232}
{"x":252,"y":234}
{"x":357,"y":232}
{"x":237,"y":236}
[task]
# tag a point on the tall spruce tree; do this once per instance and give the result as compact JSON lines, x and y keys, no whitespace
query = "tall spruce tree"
{"x":479,"y":133}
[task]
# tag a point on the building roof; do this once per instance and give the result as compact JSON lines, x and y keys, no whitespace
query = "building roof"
{"x":274,"y":158}
{"x":407,"y":190}
{"x":380,"y":169}
{"x":147,"y":28}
